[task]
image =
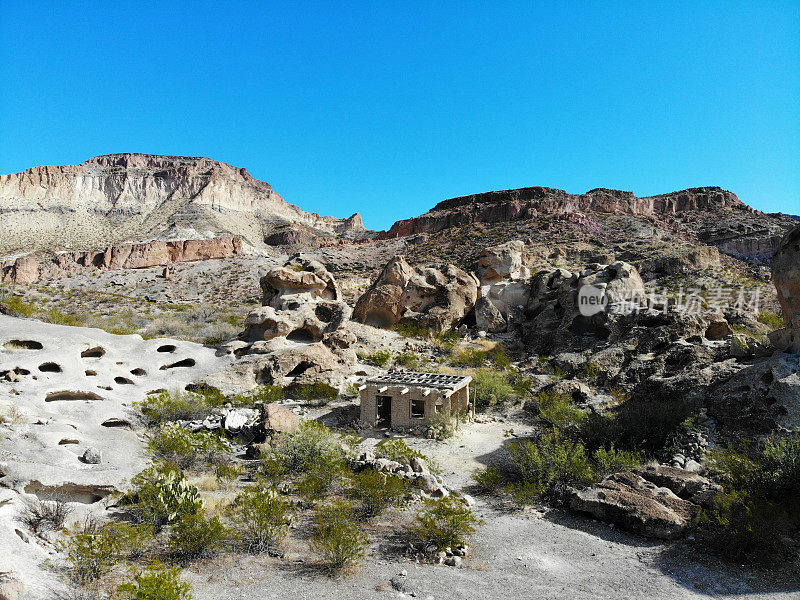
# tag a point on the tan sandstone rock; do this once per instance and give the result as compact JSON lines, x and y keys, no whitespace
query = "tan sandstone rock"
{"x":786,"y":275}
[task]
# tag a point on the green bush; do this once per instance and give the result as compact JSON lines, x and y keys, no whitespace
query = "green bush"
{"x":409,"y":330}
{"x":155,"y":583}
{"x":312,"y":391}
{"x":173,"y":406}
{"x":185,"y":449}
{"x":636,"y":425}
{"x":375,"y":491}
{"x":490,"y":479}
{"x":195,"y":535}
{"x":472,"y":357}
{"x":444,"y":523}
{"x":17,"y":307}
{"x":337,"y":539}
{"x":259,"y":518}
{"x":608,"y":462}
{"x":771,"y":319}
{"x":559,"y":409}
{"x":756,"y":517}
{"x":492,"y":388}
{"x":161,"y":494}
{"x":550,"y":464}
{"x":312,"y":445}
{"x":379,"y":358}
{"x":408,"y":359}
{"x":91,"y":555}
{"x":315,"y":483}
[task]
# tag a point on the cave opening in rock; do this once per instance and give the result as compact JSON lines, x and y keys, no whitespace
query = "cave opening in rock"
{"x":23,"y":345}
{"x":301,"y":335}
{"x":186,"y":362}
{"x":50,"y":367}
{"x":95,"y":352}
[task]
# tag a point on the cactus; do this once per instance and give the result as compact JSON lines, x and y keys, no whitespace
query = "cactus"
{"x":160,"y":495}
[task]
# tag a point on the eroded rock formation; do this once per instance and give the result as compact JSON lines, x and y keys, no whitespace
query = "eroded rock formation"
{"x":786,"y":275}
{"x":426,"y":296}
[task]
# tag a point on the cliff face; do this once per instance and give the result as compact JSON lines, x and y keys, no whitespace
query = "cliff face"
{"x":117,"y":197}
{"x":526,"y":203}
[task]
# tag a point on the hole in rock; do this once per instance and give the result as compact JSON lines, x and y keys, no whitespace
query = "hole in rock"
{"x":69,"y":492}
{"x":21,"y":371}
{"x":166,"y":348}
{"x":104,"y":387}
{"x":301,"y":368}
{"x":49,"y":367}
{"x":325,"y":313}
{"x":155,"y":392}
{"x":71,"y":395}
{"x":186,"y":362}
{"x":380,"y":318}
{"x":119,"y":362}
{"x":67,"y":441}
{"x":123,"y":381}
{"x":95,"y":352}
{"x":138,"y":372}
{"x":117,"y":422}
{"x":91,"y":373}
{"x":301,"y":335}
{"x":23,"y":345}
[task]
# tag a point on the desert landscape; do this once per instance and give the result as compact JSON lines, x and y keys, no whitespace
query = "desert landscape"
{"x":525,"y":393}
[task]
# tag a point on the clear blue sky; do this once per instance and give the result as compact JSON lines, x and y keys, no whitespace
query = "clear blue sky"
{"x":387,"y":108}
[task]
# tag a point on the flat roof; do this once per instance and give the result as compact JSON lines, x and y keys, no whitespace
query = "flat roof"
{"x":432,"y":380}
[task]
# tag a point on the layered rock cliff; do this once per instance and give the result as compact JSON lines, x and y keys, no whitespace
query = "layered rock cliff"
{"x":136,"y":197}
{"x":526,"y":203}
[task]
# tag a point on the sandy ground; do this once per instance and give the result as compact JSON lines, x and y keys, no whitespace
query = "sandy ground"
{"x":516,"y":554}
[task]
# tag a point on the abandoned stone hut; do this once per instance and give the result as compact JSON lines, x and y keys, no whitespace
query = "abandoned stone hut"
{"x":407,"y":399}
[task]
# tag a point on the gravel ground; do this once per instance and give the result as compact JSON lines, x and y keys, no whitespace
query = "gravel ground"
{"x":516,"y":554}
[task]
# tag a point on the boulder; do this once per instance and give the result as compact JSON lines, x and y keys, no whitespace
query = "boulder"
{"x":786,"y":276}
{"x":502,"y":262}
{"x":488,"y":317}
{"x":278,"y":418}
{"x":684,"y":483}
{"x":298,"y":281}
{"x":92,"y":456}
{"x":636,"y":504}
{"x":426,"y":296}
{"x":24,"y":270}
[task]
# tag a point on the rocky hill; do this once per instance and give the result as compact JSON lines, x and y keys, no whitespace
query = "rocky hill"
{"x":709,"y":215}
{"x":136,"y":197}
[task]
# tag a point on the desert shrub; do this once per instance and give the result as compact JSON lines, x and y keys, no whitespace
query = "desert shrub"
{"x":17,"y":307}
{"x":195,"y":535}
{"x":38,"y":515}
{"x":549,"y":465}
{"x":409,"y":330}
{"x":337,"y":539}
{"x":757,"y":515}
{"x":636,"y":425}
{"x":559,"y":409}
{"x":771,"y":319}
{"x":407,"y":359}
{"x":490,"y":479}
{"x":444,"y":523}
{"x":609,"y":461}
{"x":173,"y":406}
{"x":398,"y":450}
{"x":443,"y":426}
{"x":375,"y":491}
{"x":155,"y":583}
{"x":161,"y":494}
{"x":227,"y":473}
{"x":315,"y":483}
{"x":94,"y":549}
{"x":312,"y":391}
{"x":447,"y":339}
{"x":472,"y":357}
{"x":259,"y":518}
{"x":267,"y":394}
{"x":379,"y":358}
{"x":312,"y":445}
{"x":492,"y":388}
{"x":185,"y":449}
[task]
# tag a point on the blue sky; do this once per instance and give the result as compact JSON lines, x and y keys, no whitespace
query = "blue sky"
{"x":387,"y":108}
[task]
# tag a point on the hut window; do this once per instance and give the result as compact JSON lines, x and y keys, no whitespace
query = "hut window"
{"x":417,"y":409}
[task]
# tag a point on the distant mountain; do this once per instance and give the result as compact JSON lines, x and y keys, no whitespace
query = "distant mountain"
{"x":709,"y":215}
{"x":136,"y":197}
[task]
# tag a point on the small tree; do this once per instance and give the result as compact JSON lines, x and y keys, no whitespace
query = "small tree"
{"x":195,"y":535}
{"x":375,"y":491}
{"x":156,"y":583}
